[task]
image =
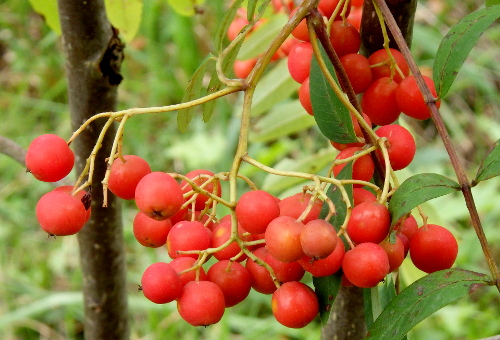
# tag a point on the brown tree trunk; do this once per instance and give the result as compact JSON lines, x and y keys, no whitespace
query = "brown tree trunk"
{"x":93,"y":57}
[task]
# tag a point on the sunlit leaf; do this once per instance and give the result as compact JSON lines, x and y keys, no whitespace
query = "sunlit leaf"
{"x":48,"y":9}
{"x":125,"y":15}
{"x":423,"y":298}
{"x":490,"y":166}
{"x":260,"y":39}
{"x":457,"y":44}
{"x":186,"y":8}
{"x":275,"y":86}
{"x":281,"y":120}
{"x":326,"y":288}
{"x":331,"y":115}
{"x":419,"y":189}
{"x":193,"y":91}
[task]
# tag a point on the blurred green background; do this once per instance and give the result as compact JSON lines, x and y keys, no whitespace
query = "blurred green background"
{"x":40,"y":280}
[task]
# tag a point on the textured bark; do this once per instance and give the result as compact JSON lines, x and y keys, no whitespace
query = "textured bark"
{"x":347,"y":318}
{"x":371,"y":33}
{"x":93,"y":57}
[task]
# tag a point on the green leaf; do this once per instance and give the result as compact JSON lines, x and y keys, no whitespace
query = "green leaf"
{"x":193,"y":91}
{"x":331,"y":115}
{"x":335,"y":196}
{"x":492,"y":3}
{"x":260,"y":39}
{"x":251,"y":6}
{"x":490,"y":166}
{"x":423,"y":298}
{"x":419,"y":189}
{"x":326,"y":288}
{"x":125,"y":15}
{"x":281,"y":120}
{"x":275,"y":86}
{"x":224,"y":25}
{"x":48,"y":9}
{"x":185,"y":8}
{"x":457,"y":44}
{"x":311,"y":164}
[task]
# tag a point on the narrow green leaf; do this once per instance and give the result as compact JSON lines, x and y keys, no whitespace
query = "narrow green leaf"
{"x":419,"y":189}
{"x":423,"y":298}
{"x":224,"y":25}
{"x":457,"y":44}
{"x":492,"y":3}
{"x":185,"y":8}
{"x":48,"y":9}
{"x":281,"y":120}
{"x":193,"y":91}
{"x":335,"y":196}
{"x":331,"y":115}
{"x":251,"y":6}
{"x":490,"y":166}
{"x":326,"y":288}
{"x":275,"y":86}
{"x":311,"y":164}
{"x":125,"y":15}
{"x":260,"y":39}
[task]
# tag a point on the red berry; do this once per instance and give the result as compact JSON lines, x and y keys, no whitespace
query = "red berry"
{"x":261,"y":279}
{"x":318,"y":239}
{"x":181,"y":264}
{"x":383,"y":69}
{"x":433,"y":248}
{"x":283,"y":239}
{"x":365,"y":265}
{"x":327,"y":7}
{"x":235,"y":27}
{"x":300,"y":32}
{"x":125,"y":174}
{"x":299,"y":61}
{"x":285,"y":271}
{"x":345,"y":38}
{"x":158,"y":195}
{"x":358,"y":71}
{"x":363,"y":167}
{"x":395,"y":252}
{"x":327,"y":266}
{"x":360,"y":195}
{"x":305,"y":96}
{"x":59,"y":213}
{"x":233,"y":279}
{"x":80,"y":195}
{"x":255,"y":209}
{"x":295,"y":205}
{"x":221,"y":234}
{"x":186,"y":236}
{"x":401,"y":145}
{"x":49,"y":158}
{"x":379,"y":101}
{"x":369,"y":222}
{"x":150,"y":232}
{"x":201,"y":303}
{"x":160,"y":283}
{"x":294,"y":304}
{"x":411,"y":101}
{"x":242,"y":68}
{"x":407,"y":225}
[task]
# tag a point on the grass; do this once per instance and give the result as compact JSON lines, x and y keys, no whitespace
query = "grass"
{"x":40,"y":280}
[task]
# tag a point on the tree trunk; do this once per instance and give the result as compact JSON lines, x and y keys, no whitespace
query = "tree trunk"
{"x":93,"y":57}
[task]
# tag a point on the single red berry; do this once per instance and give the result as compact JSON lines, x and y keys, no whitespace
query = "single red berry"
{"x":363,"y":167}
{"x":381,"y":66}
{"x":411,"y":101}
{"x":395,"y":252}
{"x":300,"y":31}
{"x":261,"y":279}
{"x":360,"y":195}
{"x":365,"y":265}
{"x":183,"y":263}
{"x":125,"y":174}
{"x":285,"y":271}
{"x":318,"y":239}
{"x":294,"y":304}
{"x":186,"y":236}
{"x":160,"y":283}
{"x":221,"y":234}
{"x":201,"y":303}
{"x":82,"y":195}
{"x":235,"y":27}
{"x":299,"y":61}
{"x":49,"y":158}
{"x":369,"y":222}
{"x":433,"y":248}
{"x":233,"y":279}
{"x":345,"y":38}
{"x":158,"y":195}
{"x":283,"y":239}
{"x":407,"y":225}
{"x":242,"y":68}
{"x":59,"y":213}
{"x":327,"y":266}
{"x":358,"y":71}
{"x":255,"y":209}
{"x":401,"y":145}
{"x":150,"y":232}
{"x":305,"y":97}
{"x":295,"y":205}
{"x":379,"y":101}
{"x":327,"y":7}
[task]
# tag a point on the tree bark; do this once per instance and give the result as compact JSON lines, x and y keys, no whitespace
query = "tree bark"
{"x":93,"y":57}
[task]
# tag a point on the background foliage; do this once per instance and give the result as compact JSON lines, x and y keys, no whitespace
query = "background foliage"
{"x":39,"y":277}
